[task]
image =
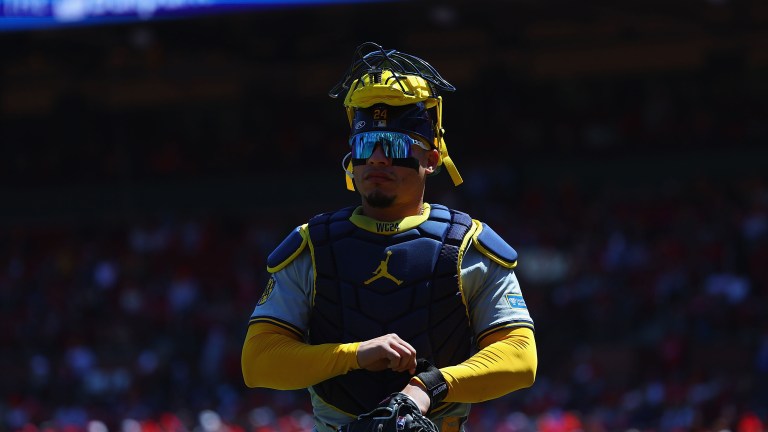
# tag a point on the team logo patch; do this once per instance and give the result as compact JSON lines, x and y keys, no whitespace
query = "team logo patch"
{"x":400,"y":424}
{"x":359,"y":125}
{"x":267,"y":291}
{"x":516,"y":301}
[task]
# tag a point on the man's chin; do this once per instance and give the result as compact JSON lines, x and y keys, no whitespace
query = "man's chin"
{"x":379,"y":200}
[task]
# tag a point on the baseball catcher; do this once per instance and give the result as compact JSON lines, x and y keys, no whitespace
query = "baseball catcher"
{"x":408,"y":311}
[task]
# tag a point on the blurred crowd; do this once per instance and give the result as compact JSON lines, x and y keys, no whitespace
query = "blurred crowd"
{"x":638,"y":206}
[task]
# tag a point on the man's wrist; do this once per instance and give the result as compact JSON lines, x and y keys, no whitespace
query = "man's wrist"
{"x":416,"y":392}
{"x":431,"y":381}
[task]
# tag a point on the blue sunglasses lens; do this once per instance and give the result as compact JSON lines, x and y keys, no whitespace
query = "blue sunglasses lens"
{"x":396,"y":145}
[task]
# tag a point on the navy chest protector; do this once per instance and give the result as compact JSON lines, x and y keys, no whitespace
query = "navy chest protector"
{"x":368,"y":285}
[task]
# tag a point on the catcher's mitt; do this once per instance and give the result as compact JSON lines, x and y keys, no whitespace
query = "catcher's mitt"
{"x":396,"y":413}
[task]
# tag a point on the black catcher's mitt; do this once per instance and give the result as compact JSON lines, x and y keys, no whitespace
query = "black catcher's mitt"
{"x":396,"y":413}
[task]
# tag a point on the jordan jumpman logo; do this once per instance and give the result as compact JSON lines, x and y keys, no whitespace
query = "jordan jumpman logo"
{"x":382,"y":272}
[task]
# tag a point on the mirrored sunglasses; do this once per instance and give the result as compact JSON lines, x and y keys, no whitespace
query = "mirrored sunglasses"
{"x":396,"y":145}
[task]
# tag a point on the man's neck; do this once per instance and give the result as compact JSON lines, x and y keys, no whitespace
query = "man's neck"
{"x":393,"y":213}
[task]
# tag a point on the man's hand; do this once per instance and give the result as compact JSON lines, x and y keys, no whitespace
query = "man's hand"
{"x":387,"y":352}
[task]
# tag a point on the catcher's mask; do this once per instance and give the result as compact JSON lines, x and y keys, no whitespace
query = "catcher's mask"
{"x":387,"y":90}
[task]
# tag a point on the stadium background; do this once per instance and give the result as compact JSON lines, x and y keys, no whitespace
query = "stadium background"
{"x":148,"y":168}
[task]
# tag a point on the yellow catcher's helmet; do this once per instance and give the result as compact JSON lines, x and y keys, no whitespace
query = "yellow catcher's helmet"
{"x":390,"y":77}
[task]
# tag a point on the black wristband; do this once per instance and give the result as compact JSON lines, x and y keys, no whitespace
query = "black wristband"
{"x":433,"y":380}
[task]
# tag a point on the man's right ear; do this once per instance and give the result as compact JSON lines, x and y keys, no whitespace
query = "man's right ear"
{"x":348,"y":171}
{"x":433,"y":158}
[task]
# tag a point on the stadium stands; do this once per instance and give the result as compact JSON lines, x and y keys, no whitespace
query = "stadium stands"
{"x":149,"y":169}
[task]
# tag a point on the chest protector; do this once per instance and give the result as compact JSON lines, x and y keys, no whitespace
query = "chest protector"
{"x":368,"y":285}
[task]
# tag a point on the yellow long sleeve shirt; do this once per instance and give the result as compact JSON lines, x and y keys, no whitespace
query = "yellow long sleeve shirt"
{"x":276,"y":358}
